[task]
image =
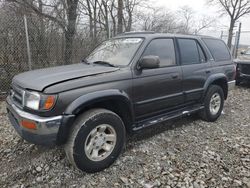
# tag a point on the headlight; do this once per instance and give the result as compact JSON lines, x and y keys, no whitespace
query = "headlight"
{"x":32,"y":100}
{"x":37,"y":101}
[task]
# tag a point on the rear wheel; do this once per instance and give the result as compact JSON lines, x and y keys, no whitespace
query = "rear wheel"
{"x":96,"y":140}
{"x":213,"y":104}
{"x":237,"y":81}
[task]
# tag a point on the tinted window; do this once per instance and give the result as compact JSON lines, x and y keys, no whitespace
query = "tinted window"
{"x":188,"y":51}
{"x":218,"y":49}
{"x":164,"y":49}
{"x":202,"y":54}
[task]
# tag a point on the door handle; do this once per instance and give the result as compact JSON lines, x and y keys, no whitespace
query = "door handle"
{"x":174,"y":76}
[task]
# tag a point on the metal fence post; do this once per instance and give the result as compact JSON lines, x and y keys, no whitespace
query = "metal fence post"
{"x":238,"y":41}
{"x":27,"y":41}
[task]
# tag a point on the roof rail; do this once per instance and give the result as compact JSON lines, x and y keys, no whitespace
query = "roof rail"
{"x":136,"y":32}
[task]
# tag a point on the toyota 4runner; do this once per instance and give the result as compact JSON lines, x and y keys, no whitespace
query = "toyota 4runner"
{"x":127,"y":83}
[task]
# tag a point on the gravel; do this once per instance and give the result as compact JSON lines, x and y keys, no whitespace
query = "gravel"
{"x":183,"y":153}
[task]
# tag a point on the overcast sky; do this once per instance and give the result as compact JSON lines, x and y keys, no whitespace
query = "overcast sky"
{"x":200,"y":7}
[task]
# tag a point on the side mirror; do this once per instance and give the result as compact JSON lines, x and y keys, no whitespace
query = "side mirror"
{"x":149,"y":62}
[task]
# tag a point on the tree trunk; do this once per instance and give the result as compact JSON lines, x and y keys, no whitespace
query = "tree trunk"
{"x":70,"y":30}
{"x":129,"y":26}
{"x":120,"y":16}
{"x":106,"y":17}
{"x":95,"y":22}
{"x":90,"y":20}
{"x":230,"y":34}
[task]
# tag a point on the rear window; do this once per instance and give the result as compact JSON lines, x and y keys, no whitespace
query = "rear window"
{"x":218,"y":49}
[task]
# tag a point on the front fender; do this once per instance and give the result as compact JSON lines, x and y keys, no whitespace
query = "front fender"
{"x":78,"y":104}
{"x":97,"y":96}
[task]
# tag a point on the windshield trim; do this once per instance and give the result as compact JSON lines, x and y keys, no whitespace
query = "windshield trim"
{"x":115,"y":38}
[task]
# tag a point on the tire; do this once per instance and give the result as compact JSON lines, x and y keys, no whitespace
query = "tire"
{"x":214,"y":92}
{"x":87,"y":136}
{"x":237,"y":81}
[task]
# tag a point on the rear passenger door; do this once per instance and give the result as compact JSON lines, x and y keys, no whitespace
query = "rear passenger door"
{"x":195,"y":68}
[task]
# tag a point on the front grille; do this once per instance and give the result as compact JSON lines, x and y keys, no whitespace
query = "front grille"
{"x":245,"y":68}
{"x":17,"y":95}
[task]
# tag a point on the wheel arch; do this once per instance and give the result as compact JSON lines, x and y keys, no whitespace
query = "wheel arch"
{"x":114,"y":100}
{"x":220,"y":80}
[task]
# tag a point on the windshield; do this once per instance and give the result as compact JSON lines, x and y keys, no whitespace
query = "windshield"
{"x":118,"y":52}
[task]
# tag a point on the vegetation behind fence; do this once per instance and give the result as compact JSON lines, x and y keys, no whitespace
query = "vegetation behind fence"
{"x":64,"y":31}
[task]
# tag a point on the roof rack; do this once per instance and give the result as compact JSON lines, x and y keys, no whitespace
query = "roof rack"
{"x":137,"y":32}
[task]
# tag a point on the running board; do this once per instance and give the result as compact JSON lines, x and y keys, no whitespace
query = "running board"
{"x":166,"y":117}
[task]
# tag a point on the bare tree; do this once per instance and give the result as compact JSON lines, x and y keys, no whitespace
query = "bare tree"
{"x":120,"y":16}
{"x":68,"y":26}
{"x":186,"y":15}
{"x":204,"y":22}
{"x":235,"y":9}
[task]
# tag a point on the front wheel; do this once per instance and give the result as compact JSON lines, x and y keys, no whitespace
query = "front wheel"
{"x":96,"y":140}
{"x":213,"y":104}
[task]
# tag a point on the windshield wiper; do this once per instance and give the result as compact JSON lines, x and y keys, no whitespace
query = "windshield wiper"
{"x":104,"y":63}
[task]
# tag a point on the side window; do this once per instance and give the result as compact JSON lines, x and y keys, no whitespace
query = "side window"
{"x":164,"y":49}
{"x":203,"y":58}
{"x":218,"y":49}
{"x":188,"y":52}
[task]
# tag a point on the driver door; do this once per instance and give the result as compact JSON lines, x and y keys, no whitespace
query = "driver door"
{"x":158,"y":90}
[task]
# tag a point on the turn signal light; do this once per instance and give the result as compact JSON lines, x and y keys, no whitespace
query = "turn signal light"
{"x":28,"y":124}
{"x":49,"y":103}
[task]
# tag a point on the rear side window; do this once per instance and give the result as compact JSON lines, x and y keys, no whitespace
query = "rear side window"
{"x":218,"y":49}
{"x":164,"y":49}
{"x":188,"y":51}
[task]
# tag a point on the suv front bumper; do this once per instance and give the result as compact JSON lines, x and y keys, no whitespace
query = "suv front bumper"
{"x":46,"y":127}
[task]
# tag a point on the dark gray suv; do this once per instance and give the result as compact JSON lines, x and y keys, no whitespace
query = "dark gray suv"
{"x":129,"y":82}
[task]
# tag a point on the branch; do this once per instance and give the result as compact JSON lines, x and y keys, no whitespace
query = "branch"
{"x":36,"y":10}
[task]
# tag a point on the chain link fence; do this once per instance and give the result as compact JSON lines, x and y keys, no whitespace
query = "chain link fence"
{"x":244,"y":42}
{"x":47,"y":44}
{"x":240,"y":42}
{"x":46,"y":41}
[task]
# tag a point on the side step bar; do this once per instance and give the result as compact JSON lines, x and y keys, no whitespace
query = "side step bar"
{"x":166,"y":117}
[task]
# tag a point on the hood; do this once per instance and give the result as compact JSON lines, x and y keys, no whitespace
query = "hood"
{"x":40,"y":79}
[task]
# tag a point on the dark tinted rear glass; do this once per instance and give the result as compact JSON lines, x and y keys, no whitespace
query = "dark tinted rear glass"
{"x":218,"y":49}
{"x":189,"y":51}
